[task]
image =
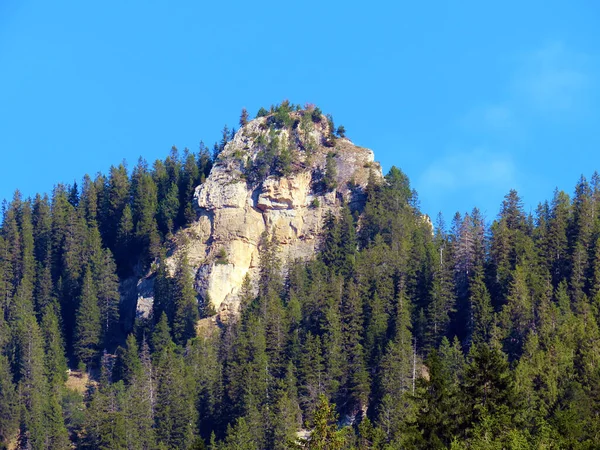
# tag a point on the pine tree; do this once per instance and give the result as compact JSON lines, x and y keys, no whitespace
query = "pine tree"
{"x":325,"y":435}
{"x":487,"y":387}
{"x":117,"y":195}
{"x":190,"y":178}
{"x":139,"y":404}
{"x":8,"y":404}
{"x":439,"y":412}
{"x":356,"y":388}
{"x":269,"y":266}
{"x":55,"y":361}
{"x":348,"y":241}
{"x":397,"y":374}
{"x":482,"y":313}
{"x":161,"y":337}
{"x":202,"y":358}
{"x":442,"y":303}
{"x":330,"y":252}
{"x":243,"y":117}
{"x":311,"y":375}
{"x":287,"y":416}
{"x":144,"y":209}
{"x":107,"y":288}
{"x":105,"y":426}
{"x":42,"y":228}
{"x":517,"y":315}
{"x":163,"y":292}
{"x":132,"y":365}
{"x":168,"y":209}
{"x":89,"y":201}
{"x":124,"y":240}
{"x":239,"y":437}
{"x":88,"y":329}
{"x":174,"y":411}
{"x":32,"y":385}
{"x":185,"y":304}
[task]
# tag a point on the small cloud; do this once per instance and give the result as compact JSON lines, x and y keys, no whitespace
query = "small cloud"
{"x":477,"y":169}
{"x":552,"y":79}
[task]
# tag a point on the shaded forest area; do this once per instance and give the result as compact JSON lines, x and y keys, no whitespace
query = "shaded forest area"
{"x":397,"y":336}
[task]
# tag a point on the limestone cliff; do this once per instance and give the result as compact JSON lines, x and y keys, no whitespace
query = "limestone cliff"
{"x":274,"y":178}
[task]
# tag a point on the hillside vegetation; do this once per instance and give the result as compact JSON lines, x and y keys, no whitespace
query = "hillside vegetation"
{"x":478,"y":334}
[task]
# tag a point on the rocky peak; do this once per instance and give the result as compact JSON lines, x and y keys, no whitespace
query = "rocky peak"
{"x":280,"y":173}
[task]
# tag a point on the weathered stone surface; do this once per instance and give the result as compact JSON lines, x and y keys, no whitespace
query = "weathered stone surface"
{"x":222,"y":245}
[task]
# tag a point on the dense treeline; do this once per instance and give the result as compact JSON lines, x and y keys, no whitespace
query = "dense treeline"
{"x":60,"y":263}
{"x":399,"y":335}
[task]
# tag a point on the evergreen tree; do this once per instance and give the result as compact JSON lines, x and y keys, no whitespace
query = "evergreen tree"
{"x":355,"y":390}
{"x":105,"y":426}
{"x":439,"y":411}
{"x":487,"y":387}
{"x":517,"y":315}
{"x":107,"y":293}
{"x":88,"y":325}
{"x":287,"y":416}
{"x":190,"y":178}
{"x":118,"y":196}
{"x":397,"y":374}
{"x":140,"y":400}
{"x":482,"y":313}
{"x":185,"y":304}
{"x":243,"y":117}
{"x":163,"y":292}
{"x":206,"y":369}
{"x":55,"y":361}
{"x":311,"y":376}
{"x":239,"y":437}
{"x":124,"y":239}
{"x":8,"y":404}
{"x":442,"y":293}
{"x":144,"y":208}
{"x":324,"y":435}
{"x":174,"y":411}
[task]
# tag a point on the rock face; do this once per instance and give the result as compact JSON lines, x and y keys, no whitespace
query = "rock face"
{"x":235,"y":208}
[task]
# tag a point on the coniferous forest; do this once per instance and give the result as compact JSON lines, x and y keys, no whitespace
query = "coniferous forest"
{"x":475,"y":333}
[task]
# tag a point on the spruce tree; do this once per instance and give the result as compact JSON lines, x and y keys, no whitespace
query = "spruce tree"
{"x":8,"y":404}
{"x":107,"y":285}
{"x":88,"y":328}
{"x":185,"y":304}
{"x":174,"y":410}
{"x":118,"y":194}
{"x":55,"y":360}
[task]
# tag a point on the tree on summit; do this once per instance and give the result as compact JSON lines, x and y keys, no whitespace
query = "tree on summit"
{"x":244,"y":117}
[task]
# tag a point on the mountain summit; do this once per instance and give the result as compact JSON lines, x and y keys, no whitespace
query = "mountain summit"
{"x":278,"y":176}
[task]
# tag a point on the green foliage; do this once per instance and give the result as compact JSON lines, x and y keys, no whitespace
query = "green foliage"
{"x":330,"y":177}
{"x":281,"y":118}
{"x":316,"y":115}
{"x":324,"y":435}
{"x":262,"y":112}
{"x":244,"y":117}
{"x":221,"y":257}
{"x":89,"y":327}
{"x":8,"y":404}
{"x":378,"y":323}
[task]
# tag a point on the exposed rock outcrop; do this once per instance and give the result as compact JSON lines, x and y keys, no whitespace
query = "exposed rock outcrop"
{"x":235,"y":207}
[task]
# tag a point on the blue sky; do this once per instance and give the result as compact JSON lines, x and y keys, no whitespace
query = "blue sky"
{"x":469,"y":99}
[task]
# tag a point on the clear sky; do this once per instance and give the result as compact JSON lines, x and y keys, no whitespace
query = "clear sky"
{"x":469,"y":99}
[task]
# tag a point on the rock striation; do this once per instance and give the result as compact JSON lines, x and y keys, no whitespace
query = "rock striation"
{"x":235,"y":206}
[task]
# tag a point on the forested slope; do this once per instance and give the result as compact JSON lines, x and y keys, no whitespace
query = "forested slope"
{"x":482,"y":333}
